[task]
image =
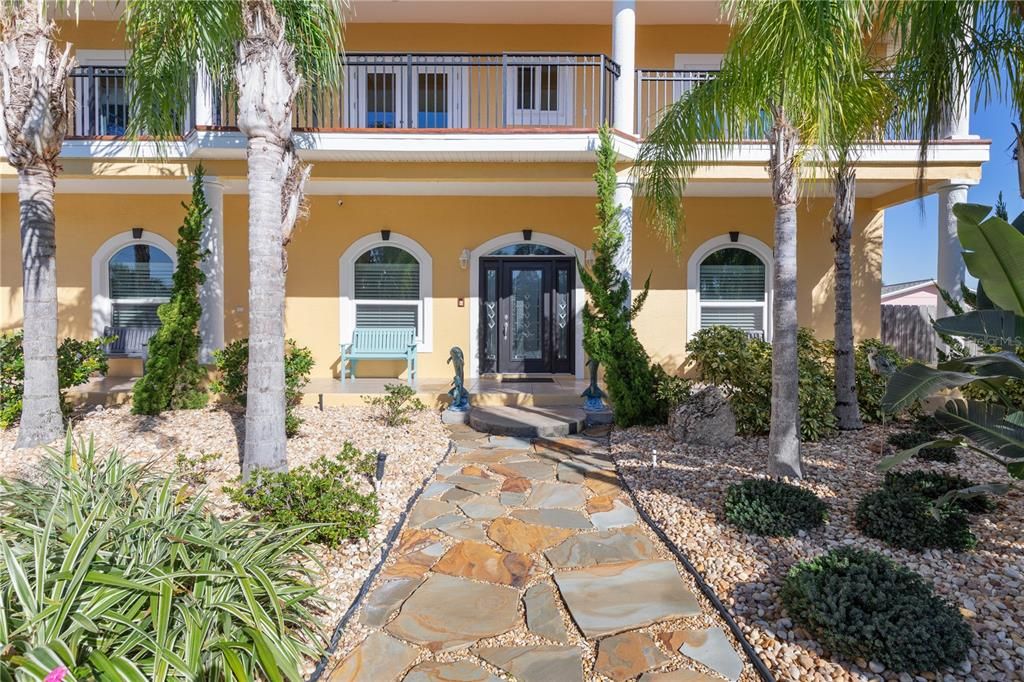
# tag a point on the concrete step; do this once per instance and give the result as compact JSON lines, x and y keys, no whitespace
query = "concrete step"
{"x":528,"y":422}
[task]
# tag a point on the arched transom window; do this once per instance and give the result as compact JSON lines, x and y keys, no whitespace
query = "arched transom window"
{"x":387,"y":289}
{"x":733,"y":287}
{"x":139,"y":278}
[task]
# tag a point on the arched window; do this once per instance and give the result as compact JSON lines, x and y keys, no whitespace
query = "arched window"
{"x":139,"y":279}
{"x":733,"y":290}
{"x":387,"y":289}
{"x":526,"y":249}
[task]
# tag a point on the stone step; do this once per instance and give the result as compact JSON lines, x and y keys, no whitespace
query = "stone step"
{"x":528,"y":422}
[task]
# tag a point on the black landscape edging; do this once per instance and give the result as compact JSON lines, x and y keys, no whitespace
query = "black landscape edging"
{"x":706,"y":589}
{"x":389,"y":541}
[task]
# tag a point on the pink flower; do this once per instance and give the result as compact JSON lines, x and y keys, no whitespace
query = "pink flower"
{"x":57,"y":674}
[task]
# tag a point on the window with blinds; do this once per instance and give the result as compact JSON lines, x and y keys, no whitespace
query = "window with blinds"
{"x":733,"y":284}
{"x":140,"y":277}
{"x":387,"y":289}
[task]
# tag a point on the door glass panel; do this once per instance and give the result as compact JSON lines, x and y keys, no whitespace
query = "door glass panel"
{"x":549,"y":87}
{"x":433,"y":100}
{"x":491,"y":316}
{"x":527,"y":314}
{"x":112,"y":103}
{"x":524,"y":87}
{"x":380,"y":100}
{"x":562,"y":314}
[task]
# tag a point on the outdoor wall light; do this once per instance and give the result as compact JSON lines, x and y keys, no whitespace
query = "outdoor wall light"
{"x":385,"y":235}
{"x":136,"y":233}
{"x":734,"y":236}
{"x":464,"y":259}
{"x":527,"y":235}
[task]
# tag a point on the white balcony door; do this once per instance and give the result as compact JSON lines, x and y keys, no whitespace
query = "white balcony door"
{"x":539,"y":92}
{"x":378,"y":96}
{"x":382,"y":93}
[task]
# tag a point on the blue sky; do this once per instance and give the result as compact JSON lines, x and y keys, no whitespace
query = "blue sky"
{"x":910,"y":244}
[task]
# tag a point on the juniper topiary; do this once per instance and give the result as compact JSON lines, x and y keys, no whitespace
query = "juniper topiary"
{"x":773,"y":508}
{"x":174,"y":378}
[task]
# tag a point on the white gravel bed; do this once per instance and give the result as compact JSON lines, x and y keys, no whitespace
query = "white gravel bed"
{"x":685,"y":492}
{"x":413,"y":451}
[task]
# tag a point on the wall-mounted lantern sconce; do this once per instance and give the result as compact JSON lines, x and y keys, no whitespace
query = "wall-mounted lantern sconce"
{"x":589,"y":257}
{"x":734,"y":236}
{"x":527,"y":235}
{"x":464,"y":259}
{"x":385,"y":235}
{"x":136,"y":233}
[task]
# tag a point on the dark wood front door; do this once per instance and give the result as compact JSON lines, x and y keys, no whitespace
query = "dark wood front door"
{"x":527,"y":315}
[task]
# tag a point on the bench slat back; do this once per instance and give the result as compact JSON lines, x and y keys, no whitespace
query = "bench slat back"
{"x":382,"y":339}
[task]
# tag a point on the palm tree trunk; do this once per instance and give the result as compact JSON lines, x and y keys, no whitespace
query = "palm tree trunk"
{"x":41,"y":419}
{"x":784,"y":434}
{"x":847,"y":409}
{"x":267,"y":83}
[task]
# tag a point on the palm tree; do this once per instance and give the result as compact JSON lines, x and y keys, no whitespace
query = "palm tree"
{"x":782,"y":79}
{"x":270,"y":49}
{"x":34,"y":113}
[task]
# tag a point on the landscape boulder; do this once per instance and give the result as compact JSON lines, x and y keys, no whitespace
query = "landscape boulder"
{"x":705,"y":418}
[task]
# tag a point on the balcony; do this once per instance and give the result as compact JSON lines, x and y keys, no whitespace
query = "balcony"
{"x":100,"y":104}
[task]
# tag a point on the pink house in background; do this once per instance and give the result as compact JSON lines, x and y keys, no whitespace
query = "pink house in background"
{"x":920,"y":292}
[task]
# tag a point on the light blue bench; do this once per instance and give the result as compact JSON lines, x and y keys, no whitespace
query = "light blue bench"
{"x":379,"y":343}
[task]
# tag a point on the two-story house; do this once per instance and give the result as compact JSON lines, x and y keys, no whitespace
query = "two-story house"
{"x":452,"y":192}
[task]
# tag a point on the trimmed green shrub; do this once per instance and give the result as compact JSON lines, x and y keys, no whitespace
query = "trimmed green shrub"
{"x":742,"y":367}
{"x":394,"y":407}
{"x":904,"y":440}
{"x":608,"y":333}
{"x":774,"y":508}
{"x":862,"y":605}
{"x":933,"y":485}
{"x":323,"y":493}
{"x":870,"y":385}
{"x":233,"y":380}
{"x":174,"y":378}
{"x":77,"y":362}
{"x":111,"y":570}
{"x":907,"y":519}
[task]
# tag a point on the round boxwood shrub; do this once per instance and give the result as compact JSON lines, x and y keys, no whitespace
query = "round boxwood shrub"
{"x":904,"y":440}
{"x":904,"y":518}
{"x":933,"y":485}
{"x":862,"y":605}
{"x":774,"y":508}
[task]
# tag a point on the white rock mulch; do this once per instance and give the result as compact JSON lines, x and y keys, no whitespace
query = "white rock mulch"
{"x":684,"y":494}
{"x":413,"y":451}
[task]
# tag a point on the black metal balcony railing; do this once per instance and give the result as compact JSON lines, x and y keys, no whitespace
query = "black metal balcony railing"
{"x":456,"y":91}
{"x":101,"y":104}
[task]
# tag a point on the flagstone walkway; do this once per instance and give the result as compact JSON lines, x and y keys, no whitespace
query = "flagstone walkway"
{"x":526,"y":561}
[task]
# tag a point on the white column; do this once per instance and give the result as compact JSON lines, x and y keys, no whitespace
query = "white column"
{"x":211,"y":294}
{"x":624,"y":200}
{"x":950,"y":269}
{"x":204,"y":103}
{"x":624,"y":54}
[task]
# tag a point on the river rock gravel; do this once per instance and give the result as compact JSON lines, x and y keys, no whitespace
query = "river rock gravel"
{"x":684,"y":493}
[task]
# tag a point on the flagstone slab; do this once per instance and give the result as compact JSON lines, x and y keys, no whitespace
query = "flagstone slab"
{"x":475,"y":484}
{"x":548,"y":495}
{"x":515,"y":535}
{"x":456,"y":495}
{"x":414,"y":564}
{"x":600,"y":503}
{"x":466,"y":529}
{"x":620,"y":515}
{"x":623,"y":657}
{"x":459,"y":671}
{"x":385,"y":600}
{"x":378,"y":658}
{"x":712,"y":648}
{"x":605,"y":547}
{"x":603,"y":483}
{"x":447,"y":613}
{"x":415,"y":539}
{"x":482,"y":508}
{"x":482,"y":562}
{"x":542,"y":615}
{"x":510,"y":442}
{"x":536,"y":663}
{"x":517,"y":484}
{"x":678,"y":676}
{"x":435,"y":489}
{"x":483,"y":456}
{"x":445,"y":521}
{"x":473,"y":470}
{"x":425,"y":510}
{"x":556,"y":518}
{"x":571,"y":472}
{"x":531,"y":469}
{"x":612,"y":598}
{"x":512,"y":499}
{"x":448,"y":469}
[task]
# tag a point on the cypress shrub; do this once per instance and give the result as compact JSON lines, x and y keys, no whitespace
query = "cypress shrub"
{"x":174,"y":378}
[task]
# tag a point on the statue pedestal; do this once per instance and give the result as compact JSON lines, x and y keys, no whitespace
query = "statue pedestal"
{"x":600,"y":417}
{"x":450,"y":416}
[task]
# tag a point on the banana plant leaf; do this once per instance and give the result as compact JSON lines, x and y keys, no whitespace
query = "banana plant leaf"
{"x":917,"y":381}
{"x":994,"y":253}
{"x":986,"y":425}
{"x":903,"y":455}
{"x":1005,"y":364}
{"x":995,"y":327}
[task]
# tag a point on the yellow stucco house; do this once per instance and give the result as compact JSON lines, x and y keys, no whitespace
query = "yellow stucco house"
{"x":452,"y":193}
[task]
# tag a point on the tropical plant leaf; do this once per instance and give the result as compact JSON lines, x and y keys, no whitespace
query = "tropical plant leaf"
{"x":917,"y":381}
{"x":985,"y":425}
{"x":996,"y":327}
{"x":973,"y":491}
{"x":1002,"y":365}
{"x":994,"y":253}
{"x":903,"y":455}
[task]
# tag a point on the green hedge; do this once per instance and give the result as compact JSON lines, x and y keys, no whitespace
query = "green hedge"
{"x":773,"y":508}
{"x":862,"y":605}
{"x":907,"y":519}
